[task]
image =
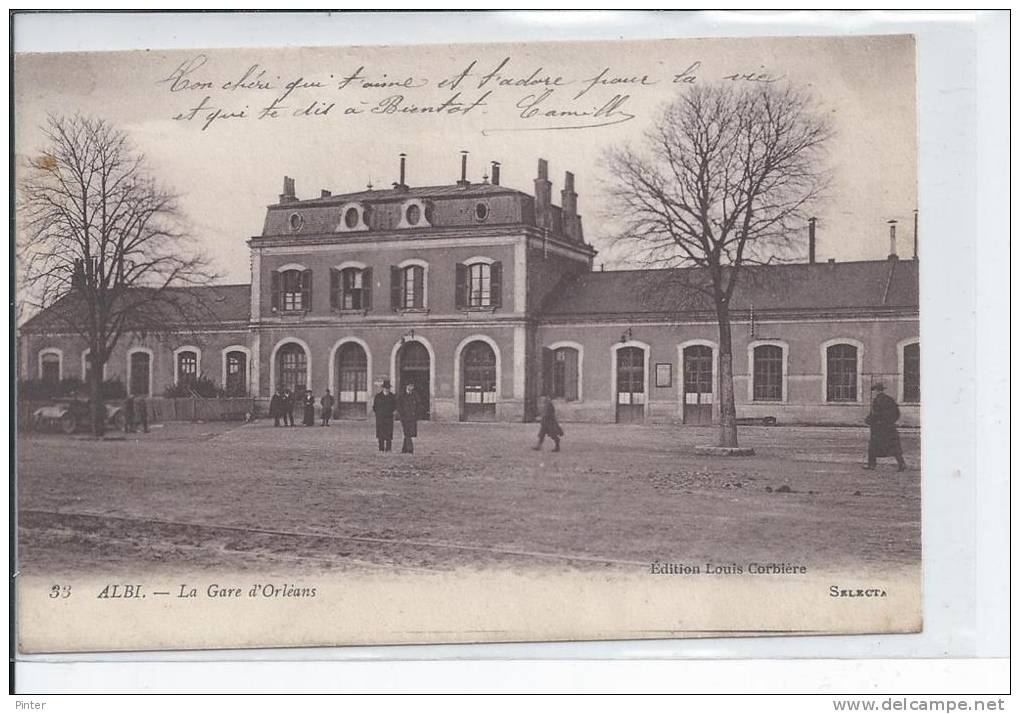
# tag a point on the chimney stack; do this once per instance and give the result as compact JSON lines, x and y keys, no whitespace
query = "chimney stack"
{"x":326,"y":194}
{"x":811,"y":239}
{"x":288,"y":194}
{"x":568,"y":202}
{"x":543,"y":194}
{"x":402,"y":185}
{"x":892,"y":240}
{"x":915,"y":234}
{"x":495,"y":173}
{"x":463,"y":183}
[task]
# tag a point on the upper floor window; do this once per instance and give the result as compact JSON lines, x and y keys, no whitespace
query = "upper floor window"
{"x":415,"y":214}
{"x":768,"y":373}
{"x":292,"y":290}
{"x":912,"y":372}
{"x":841,"y":373}
{"x":479,"y":284}
{"x":407,"y":282}
{"x":352,"y":218}
{"x":351,"y":288}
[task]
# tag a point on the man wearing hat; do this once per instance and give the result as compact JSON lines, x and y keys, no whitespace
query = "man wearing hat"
{"x":384,"y":404}
{"x":885,"y":440}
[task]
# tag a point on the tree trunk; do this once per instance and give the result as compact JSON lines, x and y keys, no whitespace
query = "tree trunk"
{"x":727,"y":404}
{"x":96,"y":406}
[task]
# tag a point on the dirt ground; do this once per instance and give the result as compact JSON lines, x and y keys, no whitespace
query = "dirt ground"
{"x":259,"y":498}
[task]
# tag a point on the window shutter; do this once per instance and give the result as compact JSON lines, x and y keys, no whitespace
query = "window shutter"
{"x":366,"y":289}
{"x":461,"y":286}
{"x":496,"y":283}
{"x":306,"y":290}
{"x":334,"y":288}
{"x":547,"y":372}
{"x":395,"y":287}
{"x":570,"y":371}
{"x":275,"y":290}
{"x":419,"y":286}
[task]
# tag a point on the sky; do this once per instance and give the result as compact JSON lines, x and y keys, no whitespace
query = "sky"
{"x":223,"y":127}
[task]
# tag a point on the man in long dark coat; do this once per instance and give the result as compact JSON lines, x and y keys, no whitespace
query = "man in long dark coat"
{"x":276,"y":408}
{"x":548,"y":425}
{"x":288,"y":408}
{"x":885,"y":440}
{"x":407,"y":408}
{"x":327,"y":407}
{"x":384,"y":404}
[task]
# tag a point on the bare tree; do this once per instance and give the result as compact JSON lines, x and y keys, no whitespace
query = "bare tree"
{"x":724,"y":175}
{"x":101,"y":244}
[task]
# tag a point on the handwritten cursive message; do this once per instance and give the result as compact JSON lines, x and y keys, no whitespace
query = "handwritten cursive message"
{"x":508,"y":94}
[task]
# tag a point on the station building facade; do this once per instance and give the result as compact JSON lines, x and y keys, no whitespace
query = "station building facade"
{"x":486,"y":297}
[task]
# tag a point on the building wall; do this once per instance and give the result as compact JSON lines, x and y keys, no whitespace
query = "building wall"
{"x":441,"y":281}
{"x":209,"y":346}
{"x":381,"y":342}
{"x":881,"y":340}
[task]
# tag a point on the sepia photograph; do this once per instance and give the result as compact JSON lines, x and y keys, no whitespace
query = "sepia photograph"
{"x":545,"y":341}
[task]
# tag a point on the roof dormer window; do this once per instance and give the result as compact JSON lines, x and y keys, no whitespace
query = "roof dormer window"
{"x":296,"y":222}
{"x":352,"y":218}
{"x":415,"y":214}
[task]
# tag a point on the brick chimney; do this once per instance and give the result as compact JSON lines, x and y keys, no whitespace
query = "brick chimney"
{"x":543,"y":195}
{"x":288,"y":195}
{"x":495,"y":173}
{"x":568,"y":202}
{"x":892,"y":240}
{"x":326,"y":194}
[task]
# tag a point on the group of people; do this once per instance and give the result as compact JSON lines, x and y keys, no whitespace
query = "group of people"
{"x":281,"y":407}
{"x":387,"y":406}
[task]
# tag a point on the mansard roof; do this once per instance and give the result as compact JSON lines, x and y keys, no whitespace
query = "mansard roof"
{"x":473,"y":190}
{"x":867,"y":287}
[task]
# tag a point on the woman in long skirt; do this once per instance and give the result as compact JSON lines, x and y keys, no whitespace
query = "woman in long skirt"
{"x":309,"y":408}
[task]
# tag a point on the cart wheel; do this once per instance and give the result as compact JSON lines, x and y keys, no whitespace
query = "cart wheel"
{"x":68,"y":424}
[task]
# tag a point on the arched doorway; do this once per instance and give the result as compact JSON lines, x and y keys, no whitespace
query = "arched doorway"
{"x":351,"y":381}
{"x":237,"y":374}
{"x":292,"y":366}
{"x":413,"y":366}
{"x":698,"y":384}
{"x":630,"y":385}
{"x":479,"y":383}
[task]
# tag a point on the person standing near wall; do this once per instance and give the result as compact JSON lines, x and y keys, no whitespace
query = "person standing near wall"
{"x":327,"y":407}
{"x":309,"y":405}
{"x":276,"y":407}
{"x":288,"y":408}
{"x":384,"y":404}
{"x":407,"y":408}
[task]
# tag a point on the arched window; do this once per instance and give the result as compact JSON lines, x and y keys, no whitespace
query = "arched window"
{"x":351,"y":381}
{"x":187,"y":367}
{"x":912,"y":372}
{"x":768,"y":373}
{"x":479,"y":369}
{"x":236,"y":383}
{"x":479,"y":283}
{"x":561,"y":373}
{"x":841,"y":373}
{"x":351,"y":288}
{"x":50,"y":367}
{"x":140,"y":367}
{"x":292,"y":289}
{"x":412,"y":287}
{"x":293,"y":368}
